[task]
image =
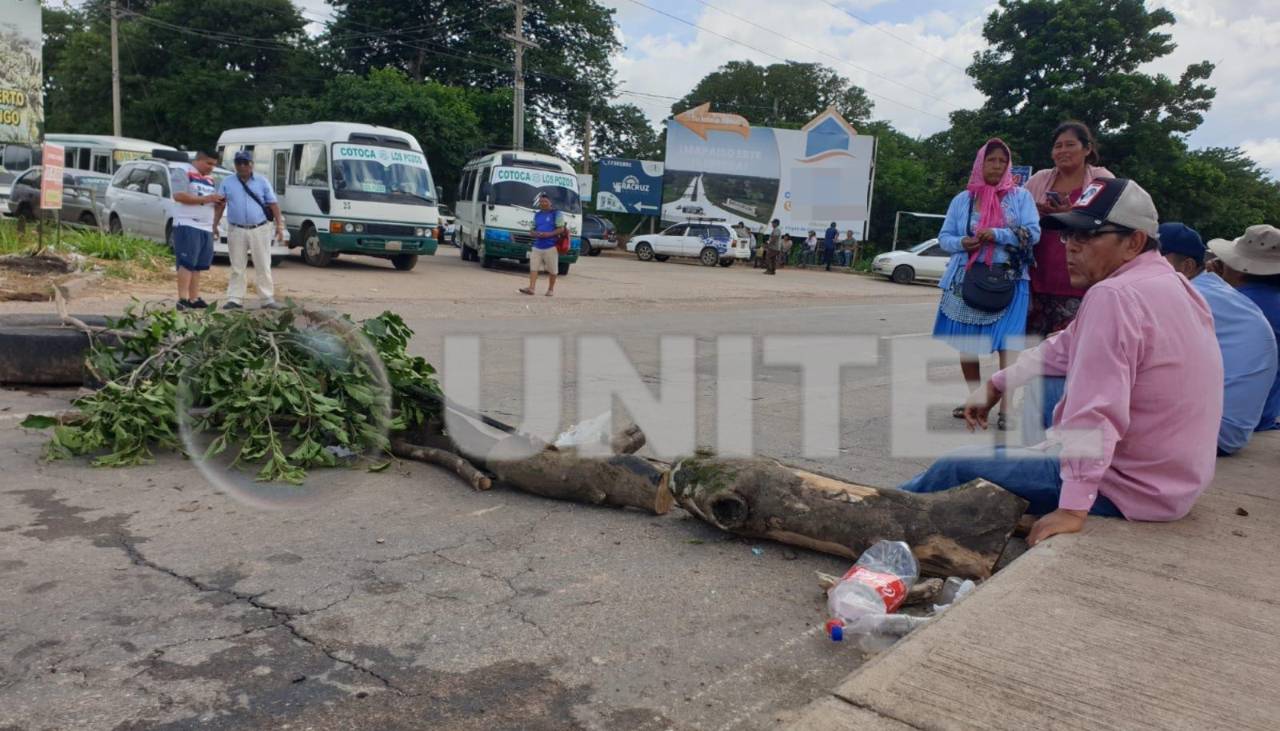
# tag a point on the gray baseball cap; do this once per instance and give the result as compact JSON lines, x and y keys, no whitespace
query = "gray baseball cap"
{"x":1117,"y":201}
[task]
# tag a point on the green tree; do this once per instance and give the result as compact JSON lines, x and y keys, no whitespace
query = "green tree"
{"x":462,"y":43}
{"x":785,"y":95}
{"x":908,"y":178}
{"x":442,"y":118}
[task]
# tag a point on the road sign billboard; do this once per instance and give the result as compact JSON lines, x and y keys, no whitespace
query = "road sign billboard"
{"x":630,"y":186}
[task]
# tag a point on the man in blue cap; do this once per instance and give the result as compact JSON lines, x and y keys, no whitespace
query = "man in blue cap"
{"x":250,"y":205}
{"x":1244,"y":335}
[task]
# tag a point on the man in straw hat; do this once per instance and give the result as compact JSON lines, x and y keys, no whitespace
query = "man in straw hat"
{"x":1251,"y":264}
{"x":1131,"y":437}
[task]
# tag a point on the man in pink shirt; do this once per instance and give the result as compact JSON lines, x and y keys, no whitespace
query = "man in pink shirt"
{"x":1135,"y":434}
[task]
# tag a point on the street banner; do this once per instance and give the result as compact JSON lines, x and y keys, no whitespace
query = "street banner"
{"x":51,"y":177}
{"x":1021,"y":174}
{"x":585,"y":182}
{"x":21,"y":75}
{"x":630,"y":186}
{"x":718,"y":166}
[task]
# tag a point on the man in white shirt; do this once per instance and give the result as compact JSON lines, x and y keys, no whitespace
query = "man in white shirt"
{"x":196,"y":195}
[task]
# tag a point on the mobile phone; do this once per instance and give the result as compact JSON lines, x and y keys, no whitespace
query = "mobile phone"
{"x":1054,"y":197}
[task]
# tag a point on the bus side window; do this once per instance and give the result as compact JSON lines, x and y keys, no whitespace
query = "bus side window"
{"x":483,"y":193}
{"x":281,"y":169}
{"x":309,"y":167}
{"x":462,"y":187}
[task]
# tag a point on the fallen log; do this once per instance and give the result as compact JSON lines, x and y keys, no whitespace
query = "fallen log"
{"x":959,"y":532}
{"x":450,"y":461}
{"x":620,"y":480}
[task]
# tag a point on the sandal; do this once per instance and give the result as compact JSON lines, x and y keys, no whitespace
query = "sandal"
{"x":1002,"y":422}
{"x":957,"y":412}
{"x":525,"y":290}
{"x":550,"y":293}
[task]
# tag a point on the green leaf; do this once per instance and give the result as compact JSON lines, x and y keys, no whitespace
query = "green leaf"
{"x":380,"y":467}
{"x":36,"y":421}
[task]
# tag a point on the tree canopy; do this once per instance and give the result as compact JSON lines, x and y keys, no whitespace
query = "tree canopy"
{"x":785,"y":95}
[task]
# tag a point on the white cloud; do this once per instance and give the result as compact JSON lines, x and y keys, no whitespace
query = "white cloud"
{"x":666,"y":57}
{"x":1266,"y":152}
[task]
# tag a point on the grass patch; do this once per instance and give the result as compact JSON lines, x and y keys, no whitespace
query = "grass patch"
{"x":119,"y":257}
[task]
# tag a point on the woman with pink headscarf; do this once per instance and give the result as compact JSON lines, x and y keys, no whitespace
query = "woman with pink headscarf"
{"x":996,"y":222}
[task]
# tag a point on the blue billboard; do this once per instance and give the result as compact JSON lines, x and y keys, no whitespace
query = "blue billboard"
{"x":630,"y":186}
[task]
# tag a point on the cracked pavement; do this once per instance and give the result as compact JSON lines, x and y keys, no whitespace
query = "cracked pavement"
{"x":148,"y":598}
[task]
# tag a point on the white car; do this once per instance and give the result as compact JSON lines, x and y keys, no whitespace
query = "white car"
{"x":709,"y":243}
{"x":925,"y":261}
{"x":140,"y":202}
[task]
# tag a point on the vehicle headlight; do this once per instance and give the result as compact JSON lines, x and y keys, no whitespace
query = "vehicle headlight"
{"x":419,"y":231}
{"x":359,"y":228}
{"x":348,"y":227}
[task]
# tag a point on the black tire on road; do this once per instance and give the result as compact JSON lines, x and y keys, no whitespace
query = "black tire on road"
{"x":562,"y":268}
{"x":644,"y":252}
{"x":591,"y":250}
{"x":709,"y":256}
{"x":168,"y":235}
{"x":37,"y":350}
{"x":488,"y":262}
{"x":904,"y":274}
{"x":25,"y":213}
{"x":404,"y":262}
{"x":726,"y":263}
{"x":115,"y":226}
{"x":87,"y":219}
{"x":660,"y":257}
{"x":312,"y":253}
{"x":586,"y":246}
{"x":276,"y":261}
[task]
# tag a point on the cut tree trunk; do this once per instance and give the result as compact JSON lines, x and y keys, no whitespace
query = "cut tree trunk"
{"x":959,"y":532}
{"x":621,"y":480}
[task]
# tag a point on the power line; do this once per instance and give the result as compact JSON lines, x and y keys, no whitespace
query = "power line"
{"x":820,"y":51}
{"x":770,"y":55}
{"x":893,"y":36}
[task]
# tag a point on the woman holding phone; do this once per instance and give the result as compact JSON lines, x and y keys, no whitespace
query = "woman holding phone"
{"x":1075,"y":156}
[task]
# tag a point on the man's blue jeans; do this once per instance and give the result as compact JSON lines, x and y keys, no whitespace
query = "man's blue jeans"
{"x":1038,"y":405}
{"x":1031,"y":474}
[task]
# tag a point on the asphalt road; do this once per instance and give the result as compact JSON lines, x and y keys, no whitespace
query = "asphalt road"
{"x":153,"y":598}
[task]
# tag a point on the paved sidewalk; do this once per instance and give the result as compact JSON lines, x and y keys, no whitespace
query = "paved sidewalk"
{"x":1125,"y":626}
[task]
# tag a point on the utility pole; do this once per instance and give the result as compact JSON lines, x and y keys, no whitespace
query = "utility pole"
{"x":520,"y":43}
{"x":586,"y":145}
{"x":115,"y":72}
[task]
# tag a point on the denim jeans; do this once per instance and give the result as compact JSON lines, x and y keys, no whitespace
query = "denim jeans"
{"x":1031,"y":474}
{"x":1038,"y":405}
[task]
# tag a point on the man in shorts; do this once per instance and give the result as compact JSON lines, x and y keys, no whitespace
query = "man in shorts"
{"x":548,"y":227}
{"x":197,"y":197}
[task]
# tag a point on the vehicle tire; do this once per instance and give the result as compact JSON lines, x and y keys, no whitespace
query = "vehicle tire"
{"x":24,"y":212}
{"x":312,"y":253}
{"x":168,"y":235}
{"x":115,"y":226}
{"x":404,"y":262}
{"x":726,"y":263}
{"x":39,"y":350}
{"x":644,"y":252}
{"x":591,"y":250}
{"x":87,"y":219}
{"x":488,"y":262}
{"x":562,"y":268}
{"x":660,"y":257}
{"x":709,"y":256}
{"x":276,"y":261}
{"x":904,"y":274}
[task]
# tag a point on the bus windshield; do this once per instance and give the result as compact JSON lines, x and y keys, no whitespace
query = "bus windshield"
{"x":382,"y":174}
{"x":520,"y":187}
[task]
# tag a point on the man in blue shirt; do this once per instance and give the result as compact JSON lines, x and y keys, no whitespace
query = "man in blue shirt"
{"x":548,"y":227}
{"x":829,"y":244}
{"x":1251,"y":264}
{"x":250,"y":204}
{"x":1245,"y":337}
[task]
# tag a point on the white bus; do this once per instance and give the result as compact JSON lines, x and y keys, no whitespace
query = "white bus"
{"x":345,"y":188}
{"x":496,"y":199}
{"x":98,"y":153}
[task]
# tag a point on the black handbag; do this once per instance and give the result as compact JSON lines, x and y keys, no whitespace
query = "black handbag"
{"x":986,"y":287}
{"x":266,"y":210}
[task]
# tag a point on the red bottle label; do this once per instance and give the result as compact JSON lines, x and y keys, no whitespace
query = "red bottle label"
{"x":890,"y":588}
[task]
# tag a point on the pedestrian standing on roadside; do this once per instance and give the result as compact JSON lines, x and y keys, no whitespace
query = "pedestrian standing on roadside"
{"x":829,"y":244}
{"x":548,"y":227}
{"x":250,"y":205}
{"x":1054,"y":301}
{"x":772,"y":248}
{"x":197,"y":197}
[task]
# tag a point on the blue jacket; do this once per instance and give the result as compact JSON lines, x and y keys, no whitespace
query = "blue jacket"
{"x":1019,"y":210}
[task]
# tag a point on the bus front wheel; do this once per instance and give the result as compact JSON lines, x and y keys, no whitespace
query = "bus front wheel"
{"x":312,"y":253}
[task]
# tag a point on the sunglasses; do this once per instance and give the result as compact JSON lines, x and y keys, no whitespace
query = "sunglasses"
{"x":1084,"y":236}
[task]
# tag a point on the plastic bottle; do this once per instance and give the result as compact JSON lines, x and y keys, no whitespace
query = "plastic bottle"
{"x":875,"y":586}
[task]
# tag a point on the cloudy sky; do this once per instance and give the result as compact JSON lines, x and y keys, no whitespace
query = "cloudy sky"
{"x":910,"y":56}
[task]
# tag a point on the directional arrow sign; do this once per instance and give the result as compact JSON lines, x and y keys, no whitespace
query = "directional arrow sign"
{"x":700,"y":120}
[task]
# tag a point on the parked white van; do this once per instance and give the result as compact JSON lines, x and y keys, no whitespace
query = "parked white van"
{"x":345,"y":188}
{"x":97,"y":153}
{"x":496,"y":199}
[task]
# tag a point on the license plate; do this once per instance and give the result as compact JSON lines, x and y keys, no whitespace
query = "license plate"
{"x":393,"y":246}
